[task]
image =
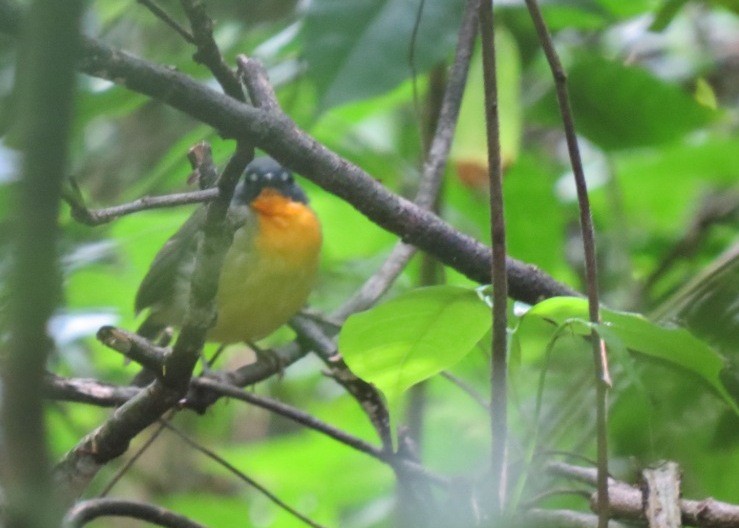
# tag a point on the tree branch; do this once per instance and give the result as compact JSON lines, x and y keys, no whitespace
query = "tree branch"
{"x":94,"y":217}
{"x":312,"y":337}
{"x":277,"y":135}
{"x":84,"y":512}
{"x":162,"y":15}
{"x":293,"y":414}
{"x":208,"y":54}
{"x":628,"y":502}
{"x":111,"y":439}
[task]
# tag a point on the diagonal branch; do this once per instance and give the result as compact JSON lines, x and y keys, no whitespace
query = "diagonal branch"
{"x":277,"y":135}
{"x":208,"y":54}
{"x":162,"y":15}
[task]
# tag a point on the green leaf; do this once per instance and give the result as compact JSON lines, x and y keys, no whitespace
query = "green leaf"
{"x":361,"y":48}
{"x":676,"y":346}
{"x":412,"y":337}
{"x":619,"y":107}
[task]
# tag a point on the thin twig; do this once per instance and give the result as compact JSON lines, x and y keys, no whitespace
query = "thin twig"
{"x":314,"y":423}
{"x":131,"y":461}
{"x":133,"y":347}
{"x":412,"y":53}
{"x":254,"y":77}
{"x":208,"y":53}
{"x":94,"y":217}
{"x":86,"y":390}
{"x":499,"y":359}
{"x":200,"y":314}
{"x":378,"y":283}
{"x":162,"y":15}
{"x":600,"y":358}
{"x":296,"y":415}
{"x":470,"y":391}
{"x":89,"y":510}
{"x":240,"y":474}
{"x":312,"y":337}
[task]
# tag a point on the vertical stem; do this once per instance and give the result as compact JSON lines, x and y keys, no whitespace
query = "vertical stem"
{"x":499,"y":362}
{"x":45,"y":88}
{"x":600,"y":358}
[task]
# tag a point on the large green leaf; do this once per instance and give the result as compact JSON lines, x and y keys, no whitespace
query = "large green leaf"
{"x":676,"y":346}
{"x":412,"y":337}
{"x":618,"y":106}
{"x":357,"y":49}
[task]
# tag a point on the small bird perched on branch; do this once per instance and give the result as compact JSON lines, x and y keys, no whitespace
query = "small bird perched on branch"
{"x":268,"y":271}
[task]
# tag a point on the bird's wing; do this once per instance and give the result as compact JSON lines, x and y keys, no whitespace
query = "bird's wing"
{"x":159,"y":282}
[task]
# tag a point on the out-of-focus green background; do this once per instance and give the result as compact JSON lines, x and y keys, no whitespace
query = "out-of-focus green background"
{"x":655,"y":92}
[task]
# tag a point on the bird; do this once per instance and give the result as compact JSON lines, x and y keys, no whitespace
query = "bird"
{"x":268,"y":271}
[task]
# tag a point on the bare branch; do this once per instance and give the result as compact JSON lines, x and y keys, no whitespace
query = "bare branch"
{"x":254,"y":76}
{"x":600,"y":356}
{"x":627,"y":502}
{"x":293,"y":414}
{"x":93,"y":217}
{"x":313,"y":338}
{"x":89,"y":391}
{"x":134,"y":347}
{"x":84,"y":512}
{"x":208,"y":53}
{"x":162,"y":15}
{"x":280,"y":137}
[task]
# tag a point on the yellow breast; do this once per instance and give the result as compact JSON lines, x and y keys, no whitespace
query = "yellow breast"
{"x":269,"y":270}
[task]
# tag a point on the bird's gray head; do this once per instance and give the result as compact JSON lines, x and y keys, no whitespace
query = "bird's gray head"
{"x":263,"y":173}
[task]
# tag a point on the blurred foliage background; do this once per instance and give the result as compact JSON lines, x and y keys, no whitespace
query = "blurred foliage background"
{"x":655,"y":90}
